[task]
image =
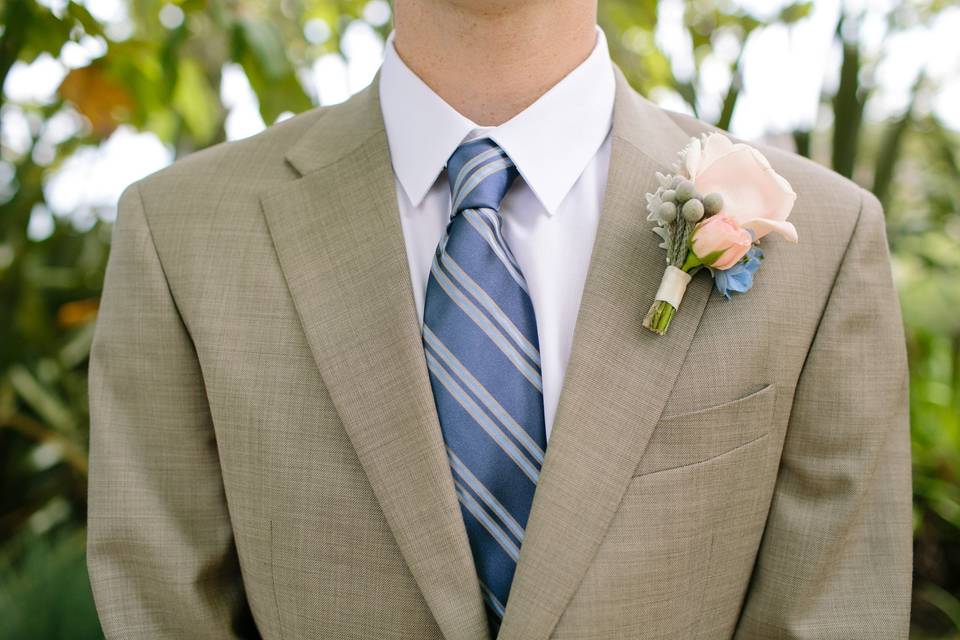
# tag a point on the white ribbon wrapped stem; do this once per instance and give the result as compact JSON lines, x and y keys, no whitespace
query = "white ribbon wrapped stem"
{"x":673,"y":285}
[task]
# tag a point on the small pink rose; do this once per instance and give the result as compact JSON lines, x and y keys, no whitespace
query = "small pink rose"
{"x":720,"y":242}
{"x":753,"y":193}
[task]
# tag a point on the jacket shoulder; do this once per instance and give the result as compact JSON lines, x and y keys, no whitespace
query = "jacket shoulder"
{"x":209,"y":201}
{"x":240,"y":166}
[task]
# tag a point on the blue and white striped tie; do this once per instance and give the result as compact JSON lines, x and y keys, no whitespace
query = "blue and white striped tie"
{"x":482,"y":351}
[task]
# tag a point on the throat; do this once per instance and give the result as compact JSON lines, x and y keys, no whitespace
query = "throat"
{"x":490,"y":60}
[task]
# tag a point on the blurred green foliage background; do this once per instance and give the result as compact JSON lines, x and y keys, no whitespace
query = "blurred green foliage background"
{"x":161,"y":72}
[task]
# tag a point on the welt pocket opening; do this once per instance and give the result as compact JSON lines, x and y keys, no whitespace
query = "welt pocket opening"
{"x":694,"y":437}
{"x":756,"y":395}
{"x":698,"y":463}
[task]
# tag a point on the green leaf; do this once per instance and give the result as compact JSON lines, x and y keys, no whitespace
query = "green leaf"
{"x":795,"y":12}
{"x":79,"y":14}
{"x":266,"y":46}
{"x":195,"y":101}
{"x":847,"y":107}
{"x":943,"y":600}
{"x":45,"y":592}
{"x":259,"y":49}
{"x":42,"y":400}
{"x":45,"y":33}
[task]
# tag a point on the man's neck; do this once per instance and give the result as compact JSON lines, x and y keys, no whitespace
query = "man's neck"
{"x":491,"y":62}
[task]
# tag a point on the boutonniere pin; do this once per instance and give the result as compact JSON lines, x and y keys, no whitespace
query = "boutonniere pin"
{"x":711,"y":213}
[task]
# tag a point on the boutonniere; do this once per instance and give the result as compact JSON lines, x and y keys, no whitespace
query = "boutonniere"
{"x":711,"y":213}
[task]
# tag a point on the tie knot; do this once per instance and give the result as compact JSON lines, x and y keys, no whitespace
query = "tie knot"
{"x":480,"y":172}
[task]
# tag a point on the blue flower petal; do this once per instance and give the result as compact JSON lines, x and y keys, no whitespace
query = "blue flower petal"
{"x":739,"y":277}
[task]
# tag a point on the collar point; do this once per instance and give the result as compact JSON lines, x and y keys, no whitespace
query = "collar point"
{"x":551,"y":209}
{"x":414,"y":189}
{"x":551,"y":204}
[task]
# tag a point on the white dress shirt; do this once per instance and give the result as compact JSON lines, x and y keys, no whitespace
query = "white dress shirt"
{"x":560,"y":145}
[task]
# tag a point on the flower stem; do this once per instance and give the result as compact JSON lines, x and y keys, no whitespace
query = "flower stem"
{"x":680,"y":247}
{"x":690,"y":262}
{"x":658,"y":317}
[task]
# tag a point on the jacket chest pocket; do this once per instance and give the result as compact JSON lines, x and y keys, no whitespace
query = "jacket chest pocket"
{"x":695,"y":437}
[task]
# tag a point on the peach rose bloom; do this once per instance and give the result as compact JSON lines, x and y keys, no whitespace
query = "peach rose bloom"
{"x":720,"y":234}
{"x":754,"y":195}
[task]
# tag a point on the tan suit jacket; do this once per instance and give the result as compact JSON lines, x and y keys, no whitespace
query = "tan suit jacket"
{"x":266,"y":456}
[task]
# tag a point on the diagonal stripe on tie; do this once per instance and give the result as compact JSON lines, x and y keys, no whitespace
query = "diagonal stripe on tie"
{"x":495,"y":223}
{"x":477,"y":178}
{"x":495,"y":245}
{"x":467,"y":169}
{"x":483,"y":356}
{"x":481,"y":419}
{"x":489,"y":501}
{"x":529,"y":370}
{"x":485,"y":398}
{"x":490,"y":306}
{"x":488,"y":523}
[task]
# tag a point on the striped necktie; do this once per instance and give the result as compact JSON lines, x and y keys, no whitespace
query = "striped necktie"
{"x":482,"y":352}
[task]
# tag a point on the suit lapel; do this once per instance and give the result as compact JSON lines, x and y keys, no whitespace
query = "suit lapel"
{"x":338,"y":238}
{"x":618,"y":378}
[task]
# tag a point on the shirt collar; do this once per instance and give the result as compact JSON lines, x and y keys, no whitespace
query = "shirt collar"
{"x":551,"y":142}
